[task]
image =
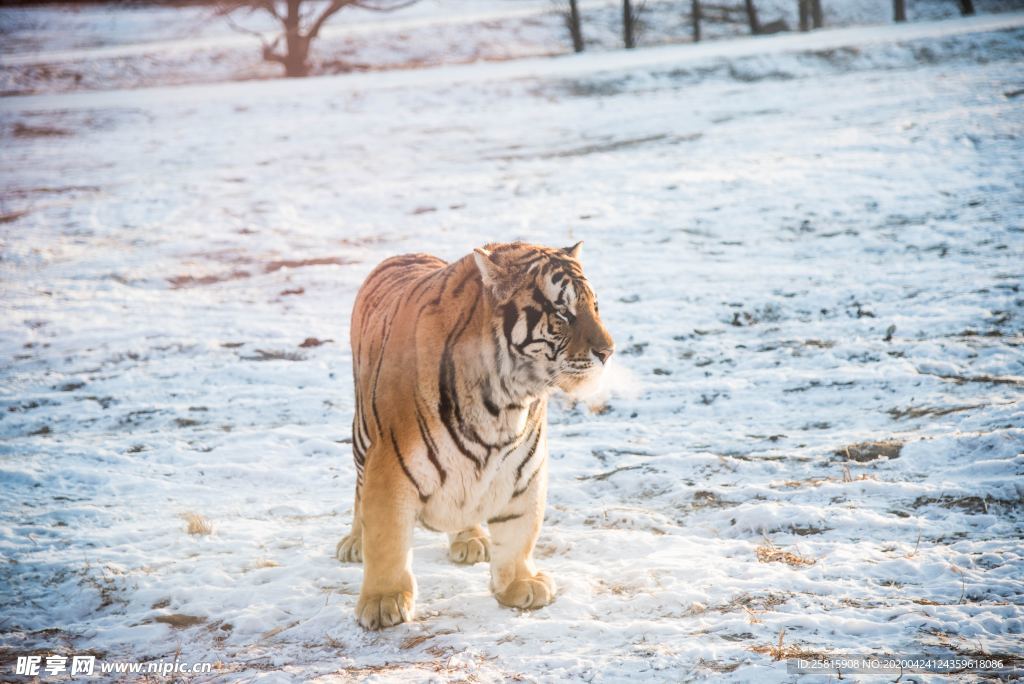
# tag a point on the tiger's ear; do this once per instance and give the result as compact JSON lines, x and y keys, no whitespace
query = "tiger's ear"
{"x":575,"y":250}
{"x":493,"y":274}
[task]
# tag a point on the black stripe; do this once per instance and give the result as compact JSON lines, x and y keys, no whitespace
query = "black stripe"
{"x":401,"y":462}
{"x":529,"y":455}
{"x":431,"y":448}
{"x":510,"y":316}
{"x":539,"y":297}
{"x":489,"y":404}
{"x":468,"y":277}
{"x":561,"y":293}
{"x":376,"y":375}
{"x":422,"y":283}
{"x":520,"y":492}
{"x":447,"y":405}
{"x":532,"y":318}
{"x":504,"y":518}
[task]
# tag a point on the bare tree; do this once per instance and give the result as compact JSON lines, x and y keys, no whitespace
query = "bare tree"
{"x":899,"y":10}
{"x":300,"y":21}
{"x":755,"y":25}
{"x":966,"y":7}
{"x":631,"y":25}
{"x":695,"y":19}
{"x":571,"y":13}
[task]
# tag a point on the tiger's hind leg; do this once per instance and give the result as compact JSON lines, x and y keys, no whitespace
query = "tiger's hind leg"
{"x":350,"y":548}
{"x":390,"y":508}
{"x":472,"y":545}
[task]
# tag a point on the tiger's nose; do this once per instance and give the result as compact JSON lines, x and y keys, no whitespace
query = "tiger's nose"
{"x":603,"y":353}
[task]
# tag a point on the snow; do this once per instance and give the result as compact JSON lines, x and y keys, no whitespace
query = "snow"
{"x":796,"y":252}
{"x":104,"y":48}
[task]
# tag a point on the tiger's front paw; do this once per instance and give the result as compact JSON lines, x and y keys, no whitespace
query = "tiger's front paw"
{"x":470,"y":547}
{"x":528,"y":593}
{"x":350,"y":549}
{"x":377,"y":611}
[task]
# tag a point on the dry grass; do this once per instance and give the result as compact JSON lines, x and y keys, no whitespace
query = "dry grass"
{"x":923,"y":411}
{"x":414,"y":641}
{"x":197,"y":524}
{"x":274,"y":355}
{"x":848,"y":475}
{"x":779,"y":651}
{"x":769,"y":553}
{"x":926,"y":602}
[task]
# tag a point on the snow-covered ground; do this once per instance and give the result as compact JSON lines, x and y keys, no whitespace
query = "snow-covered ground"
{"x":102,"y":47}
{"x":798,"y":250}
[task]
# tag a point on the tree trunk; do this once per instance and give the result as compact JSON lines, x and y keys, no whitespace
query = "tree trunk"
{"x":899,"y":10}
{"x":817,"y":16}
{"x":805,"y":15}
{"x":755,"y":25}
{"x":296,"y":64}
{"x":966,"y":7}
{"x":296,"y":45}
{"x":628,"y":31}
{"x":695,"y":19}
{"x":575,"y":29}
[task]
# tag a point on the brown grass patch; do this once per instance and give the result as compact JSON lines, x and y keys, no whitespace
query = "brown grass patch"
{"x":197,"y":524}
{"x":178,"y":282}
{"x":180,"y":620}
{"x":273,"y":355}
{"x":922,"y":411}
{"x":717,"y":666}
{"x":864,"y":452}
{"x":12,"y":216}
{"x":314,"y":342}
{"x":23,"y":130}
{"x":769,"y":553}
{"x":300,"y":263}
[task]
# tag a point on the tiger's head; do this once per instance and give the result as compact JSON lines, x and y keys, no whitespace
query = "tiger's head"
{"x":545,"y":315}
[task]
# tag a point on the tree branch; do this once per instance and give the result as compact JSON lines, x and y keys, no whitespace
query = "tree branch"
{"x":225,"y":8}
{"x":362,"y":4}
{"x":242,"y":29}
{"x":331,"y":10}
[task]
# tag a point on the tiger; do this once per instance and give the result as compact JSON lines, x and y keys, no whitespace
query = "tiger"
{"x":453,"y":364}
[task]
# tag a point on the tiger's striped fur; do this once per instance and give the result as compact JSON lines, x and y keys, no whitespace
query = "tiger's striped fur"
{"x":453,"y":364}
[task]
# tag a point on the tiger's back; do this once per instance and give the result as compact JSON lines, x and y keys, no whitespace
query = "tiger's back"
{"x":375,"y":311}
